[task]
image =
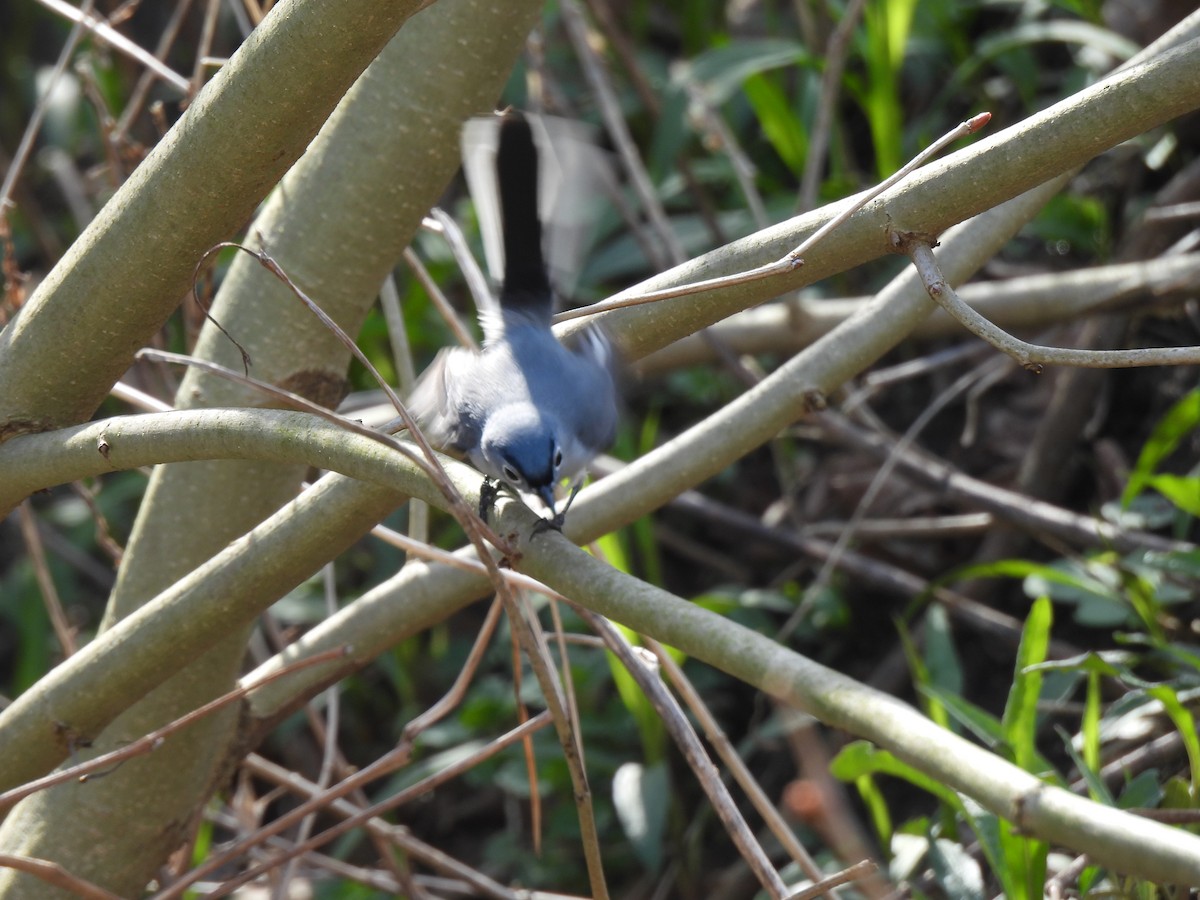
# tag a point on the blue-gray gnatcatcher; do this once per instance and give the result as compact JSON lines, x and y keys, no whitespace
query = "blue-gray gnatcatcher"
{"x":525,"y":409}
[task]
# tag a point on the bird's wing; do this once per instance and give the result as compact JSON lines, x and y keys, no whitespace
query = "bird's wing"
{"x":574,"y":181}
{"x":437,"y":402}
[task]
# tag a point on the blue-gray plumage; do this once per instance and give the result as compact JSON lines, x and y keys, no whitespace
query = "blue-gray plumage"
{"x":525,"y":409}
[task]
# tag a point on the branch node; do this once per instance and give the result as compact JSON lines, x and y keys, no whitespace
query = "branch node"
{"x":814,"y":400}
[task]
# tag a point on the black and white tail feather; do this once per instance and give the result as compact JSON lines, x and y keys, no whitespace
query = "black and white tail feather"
{"x":526,"y":409}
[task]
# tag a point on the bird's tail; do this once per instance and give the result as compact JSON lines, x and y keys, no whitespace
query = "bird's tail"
{"x":526,"y":286}
{"x":539,"y":186}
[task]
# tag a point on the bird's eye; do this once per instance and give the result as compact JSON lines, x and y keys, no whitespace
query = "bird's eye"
{"x":557,"y":458}
{"x":510,"y":474}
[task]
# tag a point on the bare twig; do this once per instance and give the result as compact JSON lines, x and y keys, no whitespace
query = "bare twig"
{"x":1035,"y":515}
{"x":795,"y":258}
{"x":614,"y":122}
{"x":442,"y":223}
{"x":1030,"y":356}
{"x":106,"y":34}
{"x":476,"y":529}
{"x":321,"y":800}
{"x":688,"y":741}
{"x":137,"y":97}
{"x":480,"y":534}
{"x":396,"y":835}
{"x":737,"y":768}
{"x":722,"y":137}
{"x":207,"y":31}
{"x":329,"y":752}
{"x":856,"y":872}
{"x":831,"y":78}
{"x":878,"y":482}
{"x":154,"y":739}
{"x":37,"y":553}
{"x":607,"y":21}
{"x":54,"y":874}
{"x":389,"y":301}
{"x":35,"y":121}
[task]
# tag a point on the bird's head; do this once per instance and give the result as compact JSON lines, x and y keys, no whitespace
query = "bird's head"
{"x":521,"y":447}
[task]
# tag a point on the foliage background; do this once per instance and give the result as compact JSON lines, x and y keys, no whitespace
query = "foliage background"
{"x":724,"y":86}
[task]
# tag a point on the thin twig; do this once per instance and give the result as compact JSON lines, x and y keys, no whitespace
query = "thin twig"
{"x":396,"y":835}
{"x":480,"y":535}
{"x":462,"y":681}
{"x":207,"y":31}
{"x":795,"y":258}
{"x":390,"y":761}
{"x":389,"y":302}
{"x":614,"y":122}
{"x":737,"y":767}
{"x":831,"y":79}
{"x":54,"y":874}
{"x":406,"y":373}
{"x":605,"y":18}
{"x":294,"y":400}
{"x":155,"y":739}
{"x":722,"y":136}
{"x":106,"y":34}
{"x":879,"y":481}
{"x":1030,"y":356}
{"x":329,"y":751}
{"x":137,"y":97}
{"x":43,"y":105}
{"x":477,"y":530}
{"x":398,"y":799}
{"x":533,"y":643}
{"x":689,"y":744}
{"x":37,"y":554}
{"x":440,"y":222}
{"x":1012,"y":506}
{"x":856,"y":872}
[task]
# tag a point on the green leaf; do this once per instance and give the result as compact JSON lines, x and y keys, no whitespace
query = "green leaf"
{"x":1183,"y":491}
{"x":649,"y":724}
{"x":941,"y":656}
{"x":986,"y":826}
{"x":1094,"y":588}
{"x":723,"y":70}
{"x":1180,"y":420}
{"x":1026,"y":858}
{"x":780,"y":121}
{"x":886,"y":26}
{"x":1185,"y":724}
{"x":862,"y":758}
{"x":1091,"y":773}
{"x":958,"y":874}
{"x":877,"y":808}
{"x":1020,"y":713}
{"x":979,"y":722}
{"x":1090,"y":728}
{"x":1183,"y":563}
{"x":1142,"y":791}
{"x":920,"y":676}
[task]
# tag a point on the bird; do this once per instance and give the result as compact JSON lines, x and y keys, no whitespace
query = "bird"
{"x":526,"y":410}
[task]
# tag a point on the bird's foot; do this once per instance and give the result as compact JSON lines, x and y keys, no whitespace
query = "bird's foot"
{"x":560,"y":518}
{"x":555,"y":524}
{"x":488,"y":492}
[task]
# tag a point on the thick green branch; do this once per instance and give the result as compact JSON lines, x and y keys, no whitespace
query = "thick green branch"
{"x":125,"y":274}
{"x":1053,"y":142}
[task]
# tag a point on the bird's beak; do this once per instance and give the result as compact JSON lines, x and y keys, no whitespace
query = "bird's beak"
{"x":546,"y":493}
